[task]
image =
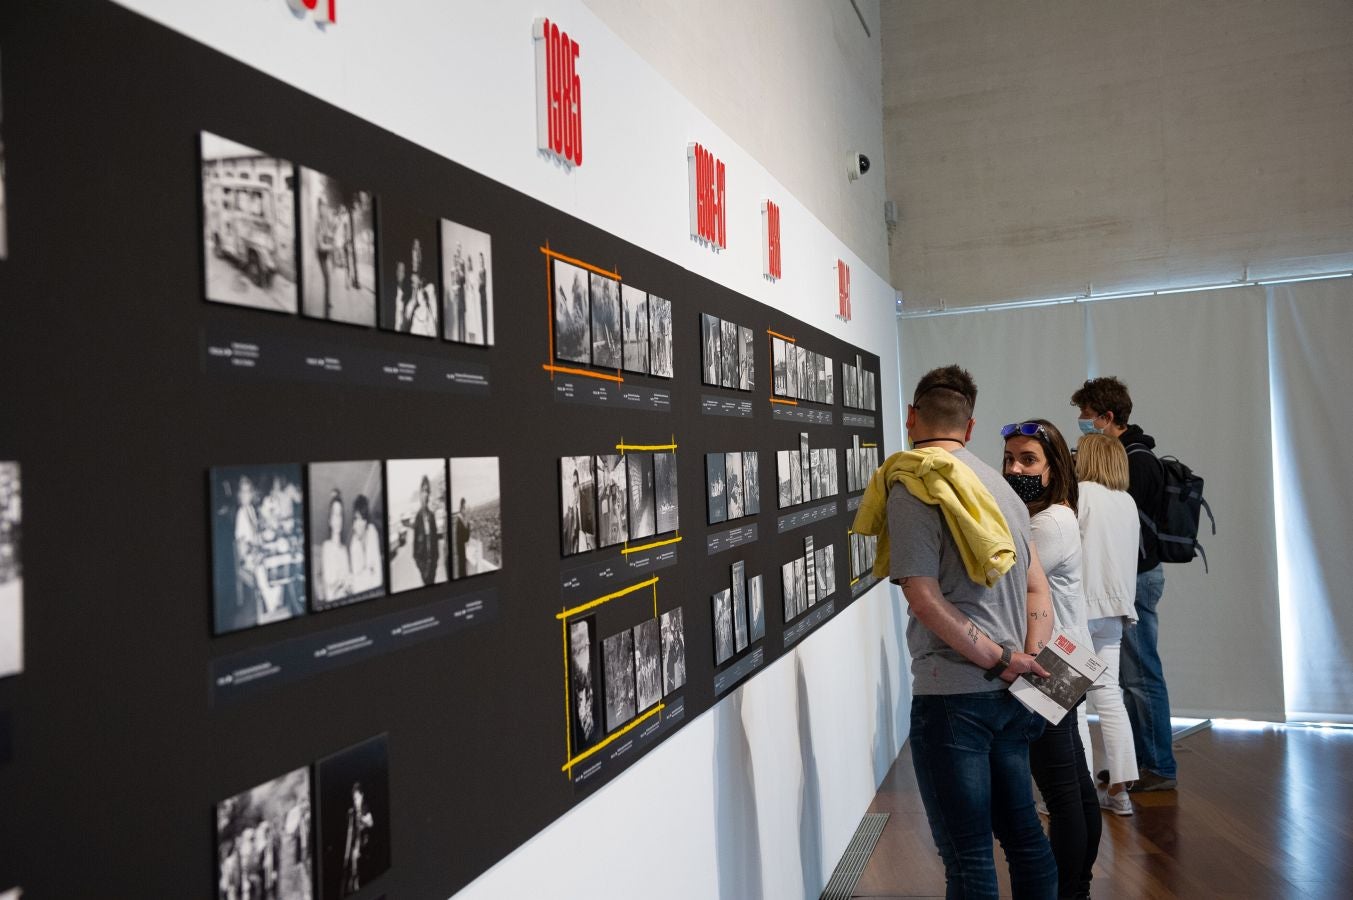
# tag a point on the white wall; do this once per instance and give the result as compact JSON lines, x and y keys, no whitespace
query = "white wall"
{"x":759,"y":796}
{"x":1036,"y":148}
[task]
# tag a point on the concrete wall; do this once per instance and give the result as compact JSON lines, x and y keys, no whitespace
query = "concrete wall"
{"x":797,"y":83}
{"x":1038,"y":148}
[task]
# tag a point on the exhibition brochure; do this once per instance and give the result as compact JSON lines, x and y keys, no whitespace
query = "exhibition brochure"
{"x":1072,"y":668}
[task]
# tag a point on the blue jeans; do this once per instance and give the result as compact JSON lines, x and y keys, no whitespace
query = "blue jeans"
{"x":971,"y":755}
{"x":1144,"y":691}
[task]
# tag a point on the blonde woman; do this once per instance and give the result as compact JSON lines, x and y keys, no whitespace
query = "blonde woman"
{"x":1109,"y":538}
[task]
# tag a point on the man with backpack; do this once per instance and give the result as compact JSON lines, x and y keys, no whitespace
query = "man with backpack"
{"x":1105,"y":407}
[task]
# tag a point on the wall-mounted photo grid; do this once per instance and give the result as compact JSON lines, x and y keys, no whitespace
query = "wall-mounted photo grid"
{"x":615,"y":498}
{"x":798,"y":373}
{"x":861,"y":462}
{"x":11,"y":570}
{"x":271,"y":838}
{"x":727,"y":354}
{"x":863,"y":552}
{"x":291,"y":239}
{"x":600,"y":322}
{"x":732,"y":485}
{"x":808,"y":579}
{"x":279,"y":541}
{"x":806,"y":474}
{"x":858,"y":386}
{"x":739,"y":614}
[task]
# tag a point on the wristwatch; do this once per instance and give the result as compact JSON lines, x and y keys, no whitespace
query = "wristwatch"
{"x":1001,"y":665}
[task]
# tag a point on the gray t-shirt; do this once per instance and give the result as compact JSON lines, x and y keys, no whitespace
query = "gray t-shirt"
{"x":921,"y":545}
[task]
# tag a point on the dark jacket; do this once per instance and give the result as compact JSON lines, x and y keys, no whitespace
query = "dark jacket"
{"x":1146,"y":481}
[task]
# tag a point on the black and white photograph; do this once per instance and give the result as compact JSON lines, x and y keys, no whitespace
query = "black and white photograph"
{"x":467,"y":284}
{"x":353,"y":788}
{"x":11,"y":570}
{"x":805,"y":466}
{"x":870,"y":400}
{"x":711,"y":330}
{"x":805,"y":386}
{"x":1065,"y":683}
{"x":778,"y":380}
{"x":801,"y":584}
{"x":643,"y":495}
{"x":612,"y":501}
{"x":347,"y":515}
{"x":746,"y":360}
{"x":338,"y":250}
{"x":792,"y":371}
{"x":784,"y":478}
{"x":607,"y":339}
{"x":815,"y":487}
{"x":728,"y":355}
{"x":409,"y":296}
{"x":751,"y":483}
{"x":617,"y":666}
{"x":665,"y":477}
{"x":660,"y":337}
{"x":258,"y":545}
{"x":634,"y":309}
{"x":833,"y":473}
{"x":476,"y":533}
{"x":790,"y":586}
{"x":756,"y":608}
{"x":585,"y":723}
{"x":733,"y":485}
{"x":572,"y":314}
{"x":826,"y":571}
{"x":577,"y":518}
{"x":724,"y":647}
{"x":848,"y":385}
{"x":647,"y":664}
{"x":829,"y":380}
{"x":714,"y":488}
{"x":249,"y":226}
{"x":795,"y":479}
{"x":417,"y":529}
{"x":263,"y":840}
{"x":739,"y":583}
{"x":810,"y":571}
{"x":673,"y":651}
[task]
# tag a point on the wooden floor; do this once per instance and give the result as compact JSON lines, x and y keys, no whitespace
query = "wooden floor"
{"x":1264,"y":813}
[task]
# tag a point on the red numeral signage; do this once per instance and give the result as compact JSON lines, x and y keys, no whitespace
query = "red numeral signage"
{"x":708,"y":214}
{"x":843,"y":289}
{"x":770,"y":244}
{"x":559,"y":93}
{"x":329,"y":13}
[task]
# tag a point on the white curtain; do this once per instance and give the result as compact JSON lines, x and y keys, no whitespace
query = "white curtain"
{"x":1310,"y":325}
{"x":1196,"y":365}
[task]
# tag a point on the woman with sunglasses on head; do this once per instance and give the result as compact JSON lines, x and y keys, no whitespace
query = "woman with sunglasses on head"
{"x":1038,"y":466}
{"x":1109,"y":538}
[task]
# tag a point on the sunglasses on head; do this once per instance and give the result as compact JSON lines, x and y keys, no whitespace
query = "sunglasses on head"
{"x":1028,"y":429}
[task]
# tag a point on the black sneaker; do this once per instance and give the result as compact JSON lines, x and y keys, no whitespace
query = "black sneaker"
{"x":1150,"y":781}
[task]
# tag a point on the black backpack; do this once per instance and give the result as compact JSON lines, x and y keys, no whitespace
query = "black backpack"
{"x":1178,"y":511}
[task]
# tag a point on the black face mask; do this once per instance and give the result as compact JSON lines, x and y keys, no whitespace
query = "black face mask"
{"x":1028,"y":487}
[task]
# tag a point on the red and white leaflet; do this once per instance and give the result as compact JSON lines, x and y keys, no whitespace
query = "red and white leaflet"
{"x":1072,"y":667}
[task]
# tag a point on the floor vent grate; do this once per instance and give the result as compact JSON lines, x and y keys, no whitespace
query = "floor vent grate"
{"x":856,"y":857}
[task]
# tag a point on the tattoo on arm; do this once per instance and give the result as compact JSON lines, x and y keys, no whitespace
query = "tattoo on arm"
{"x":973,"y":633}
{"x":1039,"y":644}
{"x":1038,"y":614}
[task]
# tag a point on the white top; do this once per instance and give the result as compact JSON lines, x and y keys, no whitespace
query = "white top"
{"x":1110,"y":535}
{"x":1058,"y":540}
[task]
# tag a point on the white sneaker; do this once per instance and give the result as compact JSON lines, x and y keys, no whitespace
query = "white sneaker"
{"x":1118,"y":803}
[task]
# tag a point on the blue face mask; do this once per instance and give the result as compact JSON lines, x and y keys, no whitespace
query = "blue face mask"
{"x":1088,"y":426}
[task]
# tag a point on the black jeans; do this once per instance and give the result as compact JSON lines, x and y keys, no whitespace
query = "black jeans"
{"x":1058,"y":763}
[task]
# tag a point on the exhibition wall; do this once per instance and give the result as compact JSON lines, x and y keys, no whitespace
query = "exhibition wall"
{"x":1041,"y":150}
{"x":205,"y":673}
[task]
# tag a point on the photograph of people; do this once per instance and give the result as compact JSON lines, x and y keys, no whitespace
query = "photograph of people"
{"x":660,"y":336}
{"x":338,"y":250}
{"x":249,"y":226}
{"x":673,"y":651}
{"x":612,"y":501}
{"x":791,"y":590}
{"x":578,"y":513}
{"x":723,"y":626}
{"x":606,"y":336}
{"x":617,"y":663}
{"x":477,"y":521}
{"x":263,"y":847}
{"x":710,"y":331}
{"x":417,"y":532}
{"x":11,"y":570}
{"x":828,"y":380}
{"x":756,"y":607}
{"x":733,"y":484}
{"x":634,"y":306}
{"x":581,"y":655}
{"x":746,"y":360}
{"x":347,"y":511}
{"x":739,"y":582}
{"x":408,"y":300}
{"x":467,"y":283}
{"x":751,"y":483}
{"x":258,"y":545}
{"x":714,"y":488}
{"x":792,"y":371}
{"x":779,"y":381}
{"x":665,"y":474}
{"x":642,"y":494}
{"x":647,"y":664}
{"x":354,"y":814}
{"x":784,"y":475}
{"x":572,"y":315}
{"x":728,"y":364}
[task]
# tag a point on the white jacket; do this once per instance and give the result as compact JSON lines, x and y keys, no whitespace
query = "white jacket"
{"x":1109,"y":540}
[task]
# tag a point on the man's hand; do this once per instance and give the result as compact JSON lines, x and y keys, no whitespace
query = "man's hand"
{"x":1021,"y":663}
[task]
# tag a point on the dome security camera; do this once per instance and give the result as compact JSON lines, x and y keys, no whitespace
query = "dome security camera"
{"x":856,"y":165}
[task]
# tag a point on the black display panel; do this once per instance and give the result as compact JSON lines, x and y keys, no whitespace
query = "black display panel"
{"x":147,"y":372}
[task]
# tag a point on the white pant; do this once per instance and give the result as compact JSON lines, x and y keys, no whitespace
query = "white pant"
{"x":1106,"y":699}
